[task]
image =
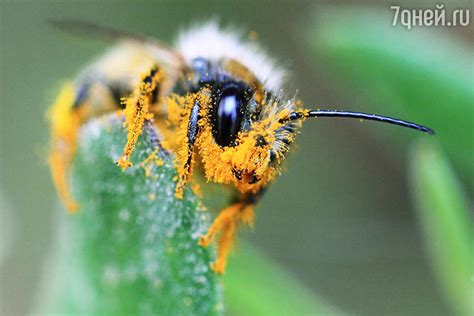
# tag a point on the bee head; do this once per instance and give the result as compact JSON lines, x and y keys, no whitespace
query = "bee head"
{"x":244,"y":129}
{"x":245,"y":135}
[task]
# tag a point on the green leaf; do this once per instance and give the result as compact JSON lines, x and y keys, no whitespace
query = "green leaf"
{"x":443,"y":209}
{"x":133,"y":247}
{"x":255,"y":285}
{"x":421,"y":74}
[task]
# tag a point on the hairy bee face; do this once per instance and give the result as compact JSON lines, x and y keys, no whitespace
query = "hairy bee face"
{"x":243,"y":138}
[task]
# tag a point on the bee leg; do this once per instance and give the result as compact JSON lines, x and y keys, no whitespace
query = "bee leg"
{"x":227,"y":222}
{"x":226,"y":242}
{"x":65,"y":122}
{"x":137,"y":110}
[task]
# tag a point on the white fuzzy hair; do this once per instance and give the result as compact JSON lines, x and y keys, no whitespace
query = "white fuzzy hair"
{"x":212,"y":43}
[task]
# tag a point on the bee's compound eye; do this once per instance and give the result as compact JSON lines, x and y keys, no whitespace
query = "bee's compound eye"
{"x":229,"y":115}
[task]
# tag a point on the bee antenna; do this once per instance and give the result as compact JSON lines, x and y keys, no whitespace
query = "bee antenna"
{"x":361,"y":116}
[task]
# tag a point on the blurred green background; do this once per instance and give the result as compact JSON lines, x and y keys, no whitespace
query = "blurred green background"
{"x":368,"y":217}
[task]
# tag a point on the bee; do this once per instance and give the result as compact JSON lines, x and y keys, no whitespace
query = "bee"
{"x":217,"y":100}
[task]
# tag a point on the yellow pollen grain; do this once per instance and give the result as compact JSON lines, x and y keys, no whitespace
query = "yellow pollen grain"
{"x":253,"y":35}
{"x":196,"y":188}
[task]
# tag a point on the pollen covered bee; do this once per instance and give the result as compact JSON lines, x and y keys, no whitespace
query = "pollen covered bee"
{"x":217,"y":101}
